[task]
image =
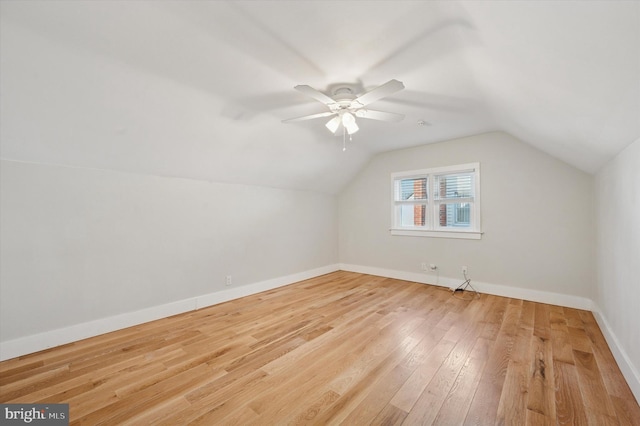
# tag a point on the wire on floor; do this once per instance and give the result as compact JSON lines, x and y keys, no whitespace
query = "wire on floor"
{"x":462,"y":288}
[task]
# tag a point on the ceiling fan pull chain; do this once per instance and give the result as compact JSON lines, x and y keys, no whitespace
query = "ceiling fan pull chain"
{"x":344,"y":139}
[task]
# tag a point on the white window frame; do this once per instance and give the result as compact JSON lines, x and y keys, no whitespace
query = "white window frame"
{"x":432,"y":227}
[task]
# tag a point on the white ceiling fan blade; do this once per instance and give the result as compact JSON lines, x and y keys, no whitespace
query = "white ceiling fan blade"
{"x":390,"y":87}
{"x":379,"y":115}
{"x":319,"y":96}
{"x":309,"y":117}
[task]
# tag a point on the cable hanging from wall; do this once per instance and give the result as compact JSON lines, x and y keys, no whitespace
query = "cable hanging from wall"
{"x":463,"y":287}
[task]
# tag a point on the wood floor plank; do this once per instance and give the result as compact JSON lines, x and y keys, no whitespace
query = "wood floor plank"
{"x":453,"y":410}
{"x":579,"y":340}
{"x":562,"y":349}
{"x":542,"y":327}
{"x":573,"y":318}
{"x":266,"y":407}
{"x":486,"y":400}
{"x":557,"y":319}
{"x":342,"y":348}
{"x":311,"y":412}
{"x":513,"y":399}
{"x":413,"y":387}
{"x":354,"y":395}
{"x":452,"y":371}
{"x":373,"y":355}
{"x":493,"y":317}
{"x":615,"y":384}
{"x":211,"y":398}
{"x":387,"y":384}
{"x":159,"y":412}
{"x":569,"y":404}
{"x":541,"y":396}
{"x":382,"y":354}
{"x":390,"y":416}
{"x":534,"y":418}
{"x":592,"y":387}
{"x":627,"y":411}
{"x":351,"y":367}
{"x":123,"y":409}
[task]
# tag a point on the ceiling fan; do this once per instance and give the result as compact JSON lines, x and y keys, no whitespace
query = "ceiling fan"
{"x":344,"y":105}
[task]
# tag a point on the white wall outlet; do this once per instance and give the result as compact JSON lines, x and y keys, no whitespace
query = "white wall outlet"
{"x":228,"y":280}
{"x":464,"y":269}
{"x":423,"y":266}
{"x":433,"y":267}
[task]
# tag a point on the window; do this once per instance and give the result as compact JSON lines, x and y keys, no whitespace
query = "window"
{"x":440,"y":202}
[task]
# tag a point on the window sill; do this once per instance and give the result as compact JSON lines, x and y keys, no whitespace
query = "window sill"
{"x":467,"y":235}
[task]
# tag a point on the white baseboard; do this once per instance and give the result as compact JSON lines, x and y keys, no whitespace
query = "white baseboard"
{"x":37,"y":342}
{"x":629,"y":371}
{"x":495,"y":289}
{"x":247,"y":290}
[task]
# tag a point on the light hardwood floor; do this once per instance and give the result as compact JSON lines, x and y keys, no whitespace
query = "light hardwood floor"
{"x":344,"y":348}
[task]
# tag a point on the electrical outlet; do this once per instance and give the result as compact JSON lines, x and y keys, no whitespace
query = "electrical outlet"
{"x":433,"y":266}
{"x":423,"y":266}
{"x":464,"y":269}
{"x":228,"y":281}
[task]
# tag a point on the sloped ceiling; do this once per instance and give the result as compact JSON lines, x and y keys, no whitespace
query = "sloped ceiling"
{"x":198,"y":89}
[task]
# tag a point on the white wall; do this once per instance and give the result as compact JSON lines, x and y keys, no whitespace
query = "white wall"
{"x":617,"y":295}
{"x":79,"y":244}
{"x":97,"y":234}
{"x":536,"y":216}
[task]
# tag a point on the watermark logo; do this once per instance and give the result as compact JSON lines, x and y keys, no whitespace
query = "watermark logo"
{"x":34,"y":414}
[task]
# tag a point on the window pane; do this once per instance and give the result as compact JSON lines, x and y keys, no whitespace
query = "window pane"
{"x":437,"y":202}
{"x":413,"y":215}
{"x":412,"y":189}
{"x":454,"y":186}
{"x":454,"y":215}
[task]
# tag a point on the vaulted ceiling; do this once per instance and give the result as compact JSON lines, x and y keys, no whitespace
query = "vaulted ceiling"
{"x":198,"y":89}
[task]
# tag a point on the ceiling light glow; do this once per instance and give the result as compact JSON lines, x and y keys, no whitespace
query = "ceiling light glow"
{"x":333,"y":124}
{"x":349,"y":122}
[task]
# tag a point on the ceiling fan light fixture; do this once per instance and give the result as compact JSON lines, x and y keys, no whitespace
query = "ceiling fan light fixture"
{"x":347,"y":119}
{"x":352,"y":128}
{"x":333,"y":124}
{"x":349,"y":122}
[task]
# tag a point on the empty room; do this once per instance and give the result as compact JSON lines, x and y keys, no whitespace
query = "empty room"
{"x":319,"y":212}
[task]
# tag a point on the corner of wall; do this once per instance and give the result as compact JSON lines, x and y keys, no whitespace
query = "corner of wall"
{"x":567,"y":300}
{"x":629,"y":371}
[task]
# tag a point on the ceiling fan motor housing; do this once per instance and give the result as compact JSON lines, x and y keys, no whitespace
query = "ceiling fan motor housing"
{"x":342,"y":97}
